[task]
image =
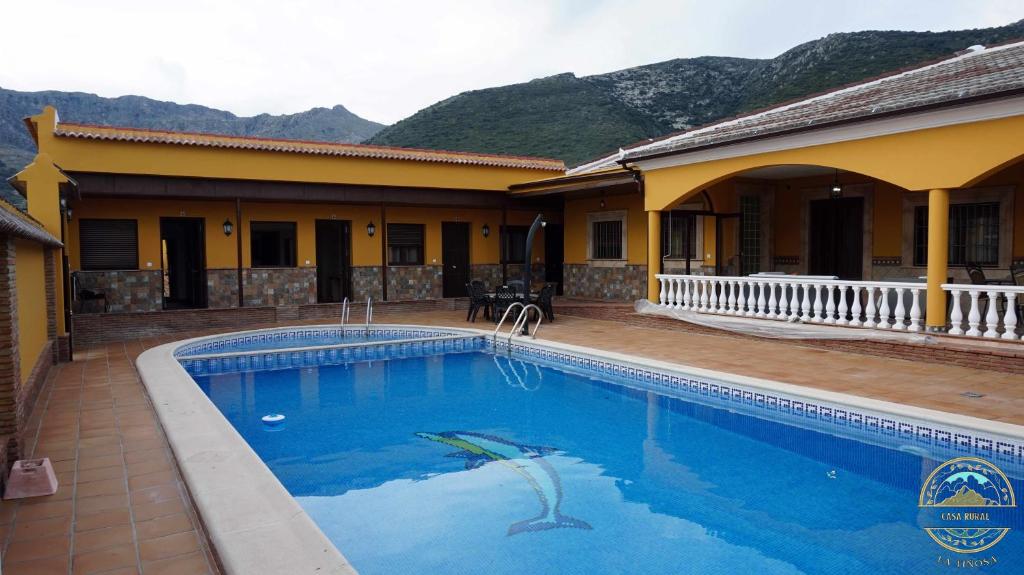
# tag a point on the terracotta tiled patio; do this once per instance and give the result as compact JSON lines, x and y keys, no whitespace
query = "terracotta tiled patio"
{"x":122,"y":508}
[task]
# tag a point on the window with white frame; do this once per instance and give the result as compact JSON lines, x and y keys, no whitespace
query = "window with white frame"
{"x":606,"y":236}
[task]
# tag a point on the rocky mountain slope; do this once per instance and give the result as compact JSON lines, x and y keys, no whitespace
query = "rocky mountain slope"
{"x":577,"y":118}
{"x":17,"y":148}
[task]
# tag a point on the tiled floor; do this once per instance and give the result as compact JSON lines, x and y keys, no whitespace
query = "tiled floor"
{"x":121,"y":507}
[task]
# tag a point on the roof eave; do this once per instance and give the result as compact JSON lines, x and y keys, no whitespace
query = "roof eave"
{"x":627,"y":159}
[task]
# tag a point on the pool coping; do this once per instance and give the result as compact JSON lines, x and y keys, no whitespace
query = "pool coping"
{"x":257,"y":527}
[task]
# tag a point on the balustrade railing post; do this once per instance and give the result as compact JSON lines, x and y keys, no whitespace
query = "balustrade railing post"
{"x":869,"y":309}
{"x":686,"y":293}
{"x":703,"y":295}
{"x":843,"y":308}
{"x":830,"y":306}
{"x":733,"y":286}
{"x":883,"y":309}
{"x":817,"y":317}
{"x":661,"y":291}
{"x":901,"y":310}
{"x":956,"y":315}
{"x":855,"y":308}
{"x":915,"y":310}
{"x":1010,"y":319}
{"x":974,"y":314}
{"x":805,"y":304}
{"x":992,"y":317}
{"x":759,"y":311}
{"x":771,"y":301}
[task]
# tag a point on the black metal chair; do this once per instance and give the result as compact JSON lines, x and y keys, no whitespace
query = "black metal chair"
{"x":977,"y":275}
{"x":504,"y":297}
{"x":478,"y":299}
{"x":543,"y":301}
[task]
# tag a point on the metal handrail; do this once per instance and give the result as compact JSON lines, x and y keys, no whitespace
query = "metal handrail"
{"x":369,"y":314}
{"x":345,"y":310}
{"x":504,"y":316}
{"x":522,"y":322}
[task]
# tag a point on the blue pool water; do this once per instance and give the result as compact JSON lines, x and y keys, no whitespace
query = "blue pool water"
{"x":410,"y":466}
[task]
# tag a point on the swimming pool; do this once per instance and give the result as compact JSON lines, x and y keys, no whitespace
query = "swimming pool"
{"x":473,"y":460}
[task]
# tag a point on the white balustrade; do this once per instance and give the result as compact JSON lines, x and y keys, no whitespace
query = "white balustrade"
{"x":882,"y":305}
{"x":991,"y":310}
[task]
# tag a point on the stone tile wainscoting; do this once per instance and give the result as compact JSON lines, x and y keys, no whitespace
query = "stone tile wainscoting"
{"x":279,"y":286}
{"x":490,"y":274}
{"x":414,"y":282}
{"x":620,"y":283}
{"x":222,"y":288}
{"x":125,"y":290}
{"x":366,"y":282}
{"x":515,"y":272}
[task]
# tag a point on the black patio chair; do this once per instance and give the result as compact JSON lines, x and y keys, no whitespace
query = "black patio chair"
{"x":543,"y":301}
{"x":504,"y":297}
{"x":478,"y":299}
{"x":977,"y":275}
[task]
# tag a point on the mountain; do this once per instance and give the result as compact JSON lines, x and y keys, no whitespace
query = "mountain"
{"x":17,"y":148}
{"x":578,"y":118}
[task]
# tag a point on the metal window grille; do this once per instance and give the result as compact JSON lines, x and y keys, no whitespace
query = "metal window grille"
{"x":750,"y":240}
{"x":607,"y":240}
{"x":973,"y":234}
{"x":108,"y":244}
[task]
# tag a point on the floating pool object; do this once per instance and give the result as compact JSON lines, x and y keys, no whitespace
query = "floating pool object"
{"x":273,"y":419}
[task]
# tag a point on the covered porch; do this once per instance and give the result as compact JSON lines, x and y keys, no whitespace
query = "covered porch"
{"x":818,"y":244}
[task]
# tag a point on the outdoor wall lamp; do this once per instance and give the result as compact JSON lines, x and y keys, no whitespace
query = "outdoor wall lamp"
{"x":371,"y":229}
{"x":228,"y":227}
{"x":486,"y":230}
{"x":837,"y":190}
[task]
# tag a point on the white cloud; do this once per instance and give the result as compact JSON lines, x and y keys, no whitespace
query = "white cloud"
{"x":386,"y":59}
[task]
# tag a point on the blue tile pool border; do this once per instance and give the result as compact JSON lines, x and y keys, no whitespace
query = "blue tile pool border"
{"x":887,"y":429}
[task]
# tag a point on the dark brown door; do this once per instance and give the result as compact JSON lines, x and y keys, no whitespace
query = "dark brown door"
{"x":333,"y":260}
{"x":183,"y":256}
{"x":836,"y":238}
{"x":554,"y":255}
{"x":454,"y":258}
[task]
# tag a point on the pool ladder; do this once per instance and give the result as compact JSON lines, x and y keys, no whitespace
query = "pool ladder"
{"x":346,"y":309}
{"x":522,"y":321}
{"x":369,"y":314}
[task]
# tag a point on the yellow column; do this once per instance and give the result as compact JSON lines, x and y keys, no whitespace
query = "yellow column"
{"x":653,"y":255}
{"x":938,"y":258}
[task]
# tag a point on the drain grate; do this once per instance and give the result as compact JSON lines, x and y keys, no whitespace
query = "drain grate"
{"x":972,"y":394}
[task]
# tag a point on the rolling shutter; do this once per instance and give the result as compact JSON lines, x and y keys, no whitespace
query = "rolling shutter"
{"x":108,"y":244}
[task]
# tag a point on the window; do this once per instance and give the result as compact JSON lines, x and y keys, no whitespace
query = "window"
{"x":750,"y":240}
{"x":606,"y":235}
{"x":513,"y":244}
{"x":973,"y":234}
{"x":273,"y":244}
{"x":108,"y":244}
{"x":679,"y":234}
{"x":405,"y":244}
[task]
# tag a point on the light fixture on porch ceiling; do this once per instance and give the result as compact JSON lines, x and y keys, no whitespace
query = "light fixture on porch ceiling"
{"x":486,"y":230}
{"x":837,"y":190}
{"x":228,"y":227}
{"x":371,"y":229}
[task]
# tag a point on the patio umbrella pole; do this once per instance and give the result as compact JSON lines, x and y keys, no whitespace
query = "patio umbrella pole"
{"x":538,"y":222}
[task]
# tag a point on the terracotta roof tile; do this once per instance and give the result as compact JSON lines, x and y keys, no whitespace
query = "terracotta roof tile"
{"x":141,"y":135}
{"x":17,"y":223}
{"x":978,"y":73}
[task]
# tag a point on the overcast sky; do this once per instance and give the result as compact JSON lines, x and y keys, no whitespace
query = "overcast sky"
{"x":385,"y":60}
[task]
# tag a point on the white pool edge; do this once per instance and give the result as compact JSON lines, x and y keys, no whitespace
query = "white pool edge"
{"x":257,"y":527}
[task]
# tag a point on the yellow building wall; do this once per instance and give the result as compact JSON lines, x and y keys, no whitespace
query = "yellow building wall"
{"x":576,"y":226}
{"x":221,"y":250}
{"x":949,"y":157}
{"x":30,"y":281}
